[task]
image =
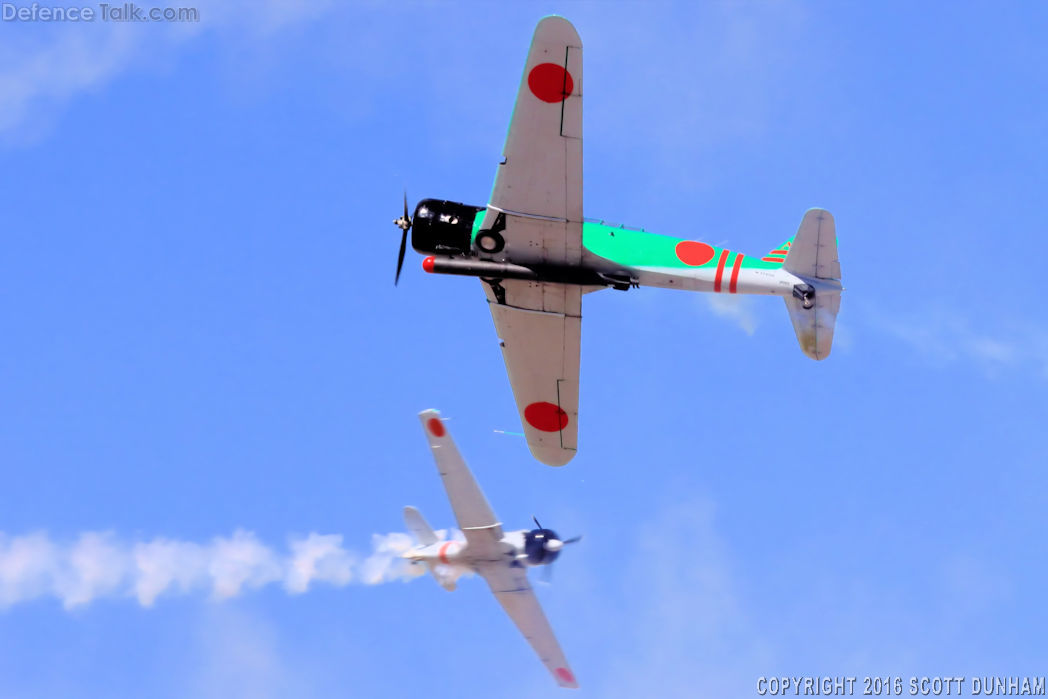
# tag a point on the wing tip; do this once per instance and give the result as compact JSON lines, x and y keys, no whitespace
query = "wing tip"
{"x":552,"y":456}
{"x":557,"y":23}
{"x":434,"y":426}
{"x":565,"y":677}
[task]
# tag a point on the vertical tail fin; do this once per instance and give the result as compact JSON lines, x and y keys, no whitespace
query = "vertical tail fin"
{"x":813,"y":308}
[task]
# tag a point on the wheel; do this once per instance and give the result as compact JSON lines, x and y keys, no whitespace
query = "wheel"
{"x":490,"y":242}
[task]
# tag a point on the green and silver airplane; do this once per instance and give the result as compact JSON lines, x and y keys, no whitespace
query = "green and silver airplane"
{"x":536,"y":255}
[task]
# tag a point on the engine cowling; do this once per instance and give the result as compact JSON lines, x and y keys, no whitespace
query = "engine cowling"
{"x":443,"y":227}
{"x":538,"y":548}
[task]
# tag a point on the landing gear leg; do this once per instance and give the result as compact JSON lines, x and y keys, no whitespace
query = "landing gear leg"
{"x":497,"y":289}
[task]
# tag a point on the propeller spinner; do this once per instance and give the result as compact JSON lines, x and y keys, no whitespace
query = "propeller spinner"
{"x":543,"y":545}
{"x":404,"y":224}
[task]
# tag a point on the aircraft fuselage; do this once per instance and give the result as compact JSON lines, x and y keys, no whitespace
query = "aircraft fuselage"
{"x":612,"y":256}
{"x":515,"y":550}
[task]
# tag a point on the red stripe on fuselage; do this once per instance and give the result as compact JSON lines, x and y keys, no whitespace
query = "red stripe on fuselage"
{"x":720,"y":270}
{"x":735,"y":272}
{"x":443,"y":555}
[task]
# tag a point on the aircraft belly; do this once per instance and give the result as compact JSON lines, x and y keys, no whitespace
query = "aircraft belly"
{"x":746,"y":281}
{"x":449,"y":553}
{"x":536,"y":240}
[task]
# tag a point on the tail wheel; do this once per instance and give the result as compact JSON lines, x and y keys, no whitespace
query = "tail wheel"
{"x":490,"y":242}
{"x":806,"y":294}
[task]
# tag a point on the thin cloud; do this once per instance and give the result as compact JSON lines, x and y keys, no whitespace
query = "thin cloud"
{"x":946,"y":337}
{"x":693,"y":634}
{"x":42,"y":68}
{"x":737,"y":309}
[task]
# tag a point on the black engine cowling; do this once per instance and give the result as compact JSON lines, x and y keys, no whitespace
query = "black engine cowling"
{"x":443,"y":227}
{"x":535,"y":546}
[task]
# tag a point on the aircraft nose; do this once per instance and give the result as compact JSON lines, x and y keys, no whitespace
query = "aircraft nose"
{"x":554,"y":545}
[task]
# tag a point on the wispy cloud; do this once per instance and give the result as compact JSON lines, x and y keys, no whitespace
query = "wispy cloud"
{"x":698,"y":624}
{"x":98,"y":564}
{"x":735,"y":76}
{"x":43,"y":67}
{"x":693,"y":634}
{"x":944,"y":337}
{"x":241,"y":656}
{"x":737,"y":309}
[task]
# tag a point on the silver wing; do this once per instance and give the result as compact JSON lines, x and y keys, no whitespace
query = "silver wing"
{"x":536,"y":206}
{"x":511,"y":589}
{"x":539,"y":328}
{"x":541,"y":174}
{"x":474,"y":515}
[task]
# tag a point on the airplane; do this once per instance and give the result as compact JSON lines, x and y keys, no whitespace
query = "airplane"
{"x":536,"y":255}
{"x":501,"y":558}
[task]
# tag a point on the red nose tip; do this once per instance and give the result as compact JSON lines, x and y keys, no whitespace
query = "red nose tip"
{"x":427,"y":264}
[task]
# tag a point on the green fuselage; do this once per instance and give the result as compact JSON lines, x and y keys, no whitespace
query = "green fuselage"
{"x":649,"y":259}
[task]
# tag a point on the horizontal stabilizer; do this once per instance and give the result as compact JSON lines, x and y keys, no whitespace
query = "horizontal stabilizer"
{"x":813,"y":307}
{"x":813,"y":252}
{"x":419,"y":527}
{"x":814,"y":326}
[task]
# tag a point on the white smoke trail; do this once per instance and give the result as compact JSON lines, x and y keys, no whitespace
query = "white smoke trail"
{"x":98,"y":564}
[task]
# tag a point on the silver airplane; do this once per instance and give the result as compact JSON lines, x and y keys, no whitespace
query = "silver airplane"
{"x":501,"y":558}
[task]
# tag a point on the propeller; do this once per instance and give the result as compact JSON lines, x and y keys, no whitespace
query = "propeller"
{"x":404,"y":224}
{"x":550,"y":545}
{"x":554,"y":545}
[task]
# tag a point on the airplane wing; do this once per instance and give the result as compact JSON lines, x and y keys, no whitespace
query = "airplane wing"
{"x":475,"y":518}
{"x":539,"y":327}
{"x":536,"y":202}
{"x":511,"y":588}
{"x":535,"y":217}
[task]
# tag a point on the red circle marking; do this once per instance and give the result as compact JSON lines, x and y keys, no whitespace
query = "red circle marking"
{"x":565,"y":674}
{"x":550,"y":82}
{"x":436,"y":427}
{"x":443,"y":553}
{"x":694,"y":253}
{"x":546,"y":417}
{"x":427,"y":264}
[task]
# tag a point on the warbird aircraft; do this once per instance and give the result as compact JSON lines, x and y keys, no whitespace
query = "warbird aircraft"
{"x":537,"y":256}
{"x":499,"y":557}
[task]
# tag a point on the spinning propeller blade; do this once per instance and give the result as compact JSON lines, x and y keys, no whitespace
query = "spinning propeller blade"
{"x":404,"y":224}
{"x":553,"y":545}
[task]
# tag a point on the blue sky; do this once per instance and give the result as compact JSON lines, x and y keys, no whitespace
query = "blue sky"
{"x":201,"y":337}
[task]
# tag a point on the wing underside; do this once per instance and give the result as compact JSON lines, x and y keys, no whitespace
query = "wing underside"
{"x":536,"y":201}
{"x":511,"y":588}
{"x":541,"y":172}
{"x":539,"y":328}
{"x":474,"y":515}
{"x":536,"y":210}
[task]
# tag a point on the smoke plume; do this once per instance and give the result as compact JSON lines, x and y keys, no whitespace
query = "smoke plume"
{"x":98,"y":564}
